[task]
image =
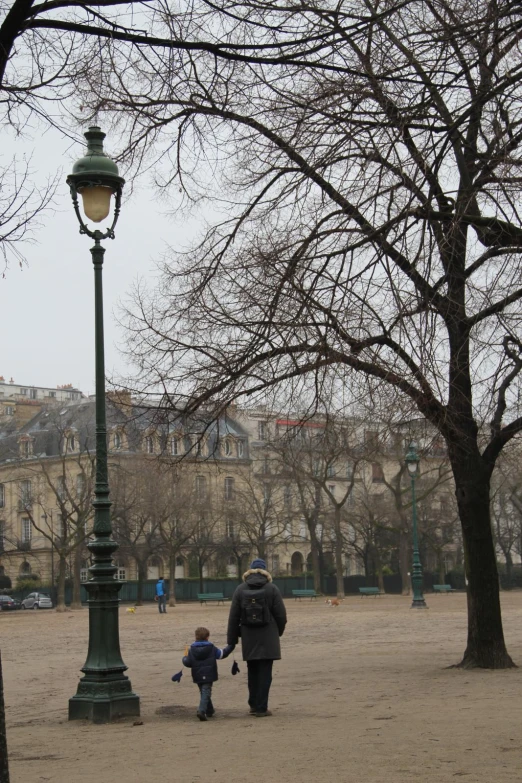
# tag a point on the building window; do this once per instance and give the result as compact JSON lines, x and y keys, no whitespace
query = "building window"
{"x":175,"y":447}
{"x":122,"y":574}
{"x":60,"y":488}
{"x":26,"y":447}
{"x":201,"y":487}
{"x":25,"y":493}
{"x":261,"y":430}
{"x":230,"y":528}
{"x":287,"y":497}
{"x":9,"y":410}
{"x":23,"y":392}
{"x":2,"y":495}
{"x":33,"y":394}
{"x":84,"y":574}
{"x":52,"y":394}
{"x":349,"y":470}
{"x":25,"y":568}
{"x":149,"y":444}
{"x":275,"y":564}
{"x":350,"y":500}
{"x":330,"y":470}
{"x":266,"y":494}
{"x":377,"y":473}
{"x":240,"y":448}
{"x":26,"y":530}
{"x":229,"y":488}
{"x":117,"y":440}
{"x":71,"y":443}
{"x":227,"y":448}
{"x":302,"y":528}
{"x":80,"y":484}
{"x":331,"y":493}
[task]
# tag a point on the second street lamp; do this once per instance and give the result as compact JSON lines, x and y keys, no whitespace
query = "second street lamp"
{"x":412,"y":463}
{"x":105,"y":692}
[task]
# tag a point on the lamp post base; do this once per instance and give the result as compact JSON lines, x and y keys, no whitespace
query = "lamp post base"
{"x":419,"y":603}
{"x":102,"y":702}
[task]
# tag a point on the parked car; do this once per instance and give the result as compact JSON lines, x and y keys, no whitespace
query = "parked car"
{"x":37,"y":601}
{"x":7,"y":603}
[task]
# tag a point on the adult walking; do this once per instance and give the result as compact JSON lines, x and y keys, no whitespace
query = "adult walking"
{"x":258,"y":616}
{"x":161,"y":595}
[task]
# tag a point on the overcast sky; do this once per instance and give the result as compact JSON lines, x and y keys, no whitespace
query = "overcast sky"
{"x":47,"y":309}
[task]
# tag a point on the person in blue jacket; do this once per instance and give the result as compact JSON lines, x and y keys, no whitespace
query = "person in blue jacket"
{"x":202,"y":658}
{"x":161,"y":595}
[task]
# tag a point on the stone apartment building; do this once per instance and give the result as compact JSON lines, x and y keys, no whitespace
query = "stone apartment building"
{"x":191,"y":496}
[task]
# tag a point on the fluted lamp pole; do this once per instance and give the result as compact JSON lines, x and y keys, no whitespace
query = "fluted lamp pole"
{"x":104,"y":692}
{"x":412,"y":462}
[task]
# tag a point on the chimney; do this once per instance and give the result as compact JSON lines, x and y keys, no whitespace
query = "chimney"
{"x":121,"y":399}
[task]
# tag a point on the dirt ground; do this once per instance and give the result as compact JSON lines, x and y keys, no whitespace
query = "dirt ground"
{"x":362,"y":695}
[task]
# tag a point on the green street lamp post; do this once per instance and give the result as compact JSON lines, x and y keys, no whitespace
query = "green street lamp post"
{"x":104,"y":692}
{"x":412,"y":463}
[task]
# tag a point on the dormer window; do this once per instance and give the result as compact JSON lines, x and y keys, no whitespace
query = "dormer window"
{"x":149,"y":444}
{"x":25,"y":446}
{"x":176,"y":446}
{"x":227,"y":448}
{"x":116,"y":441}
{"x":240,"y":449}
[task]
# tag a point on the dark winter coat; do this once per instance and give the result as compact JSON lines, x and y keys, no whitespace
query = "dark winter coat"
{"x":258,"y":642}
{"x":202,"y":658}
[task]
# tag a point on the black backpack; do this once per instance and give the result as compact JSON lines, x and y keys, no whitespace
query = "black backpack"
{"x":255,"y":611}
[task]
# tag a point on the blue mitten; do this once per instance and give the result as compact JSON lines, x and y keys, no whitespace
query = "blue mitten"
{"x":235,"y":668}
{"x":177,"y":677}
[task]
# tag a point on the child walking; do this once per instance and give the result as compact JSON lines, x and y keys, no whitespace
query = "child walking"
{"x":202,"y":657}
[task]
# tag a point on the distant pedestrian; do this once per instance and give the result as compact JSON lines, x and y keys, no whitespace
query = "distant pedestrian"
{"x":161,"y":595}
{"x":202,"y":657}
{"x":258,"y":615}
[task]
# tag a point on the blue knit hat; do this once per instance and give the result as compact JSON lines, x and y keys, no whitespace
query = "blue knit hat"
{"x":258,"y":564}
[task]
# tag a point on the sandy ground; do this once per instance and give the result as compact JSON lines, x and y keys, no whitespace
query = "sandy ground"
{"x":362,"y":695}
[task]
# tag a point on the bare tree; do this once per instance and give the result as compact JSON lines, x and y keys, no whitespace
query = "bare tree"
{"x":60,"y":507}
{"x":176,"y":527}
{"x":138,"y":511}
{"x":373,"y":177}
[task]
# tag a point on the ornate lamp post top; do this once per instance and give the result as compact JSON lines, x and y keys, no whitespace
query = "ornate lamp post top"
{"x":96,"y":178}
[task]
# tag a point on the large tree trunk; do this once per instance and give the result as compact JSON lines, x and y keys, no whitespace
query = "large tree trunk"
{"x":76,"y":593}
{"x":485,"y":645}
{"x":4,"y":763}
{"x":60,"y":599}
{"x":172,"y":578}
{"x":200,"y":572}
{"x":339,"y":565}
{"x":404,"y":560}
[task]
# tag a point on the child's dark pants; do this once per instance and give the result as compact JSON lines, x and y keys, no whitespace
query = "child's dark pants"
{"x":205,"y":702}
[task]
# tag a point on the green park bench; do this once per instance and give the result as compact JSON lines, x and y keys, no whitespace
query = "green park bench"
{"x":369,"y":591}
{"x":443,"y":589}
{"x":311,"y":594}
{"x":204,"y":598}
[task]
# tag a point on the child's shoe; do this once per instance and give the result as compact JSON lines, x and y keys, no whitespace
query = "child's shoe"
{"x":201,"y":715}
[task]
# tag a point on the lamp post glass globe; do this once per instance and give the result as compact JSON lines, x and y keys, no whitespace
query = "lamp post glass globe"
{"x":96,"y":202}
{"x":104,"y":692}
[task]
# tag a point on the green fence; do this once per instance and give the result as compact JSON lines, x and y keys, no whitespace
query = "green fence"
{"x":187,"y":589}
